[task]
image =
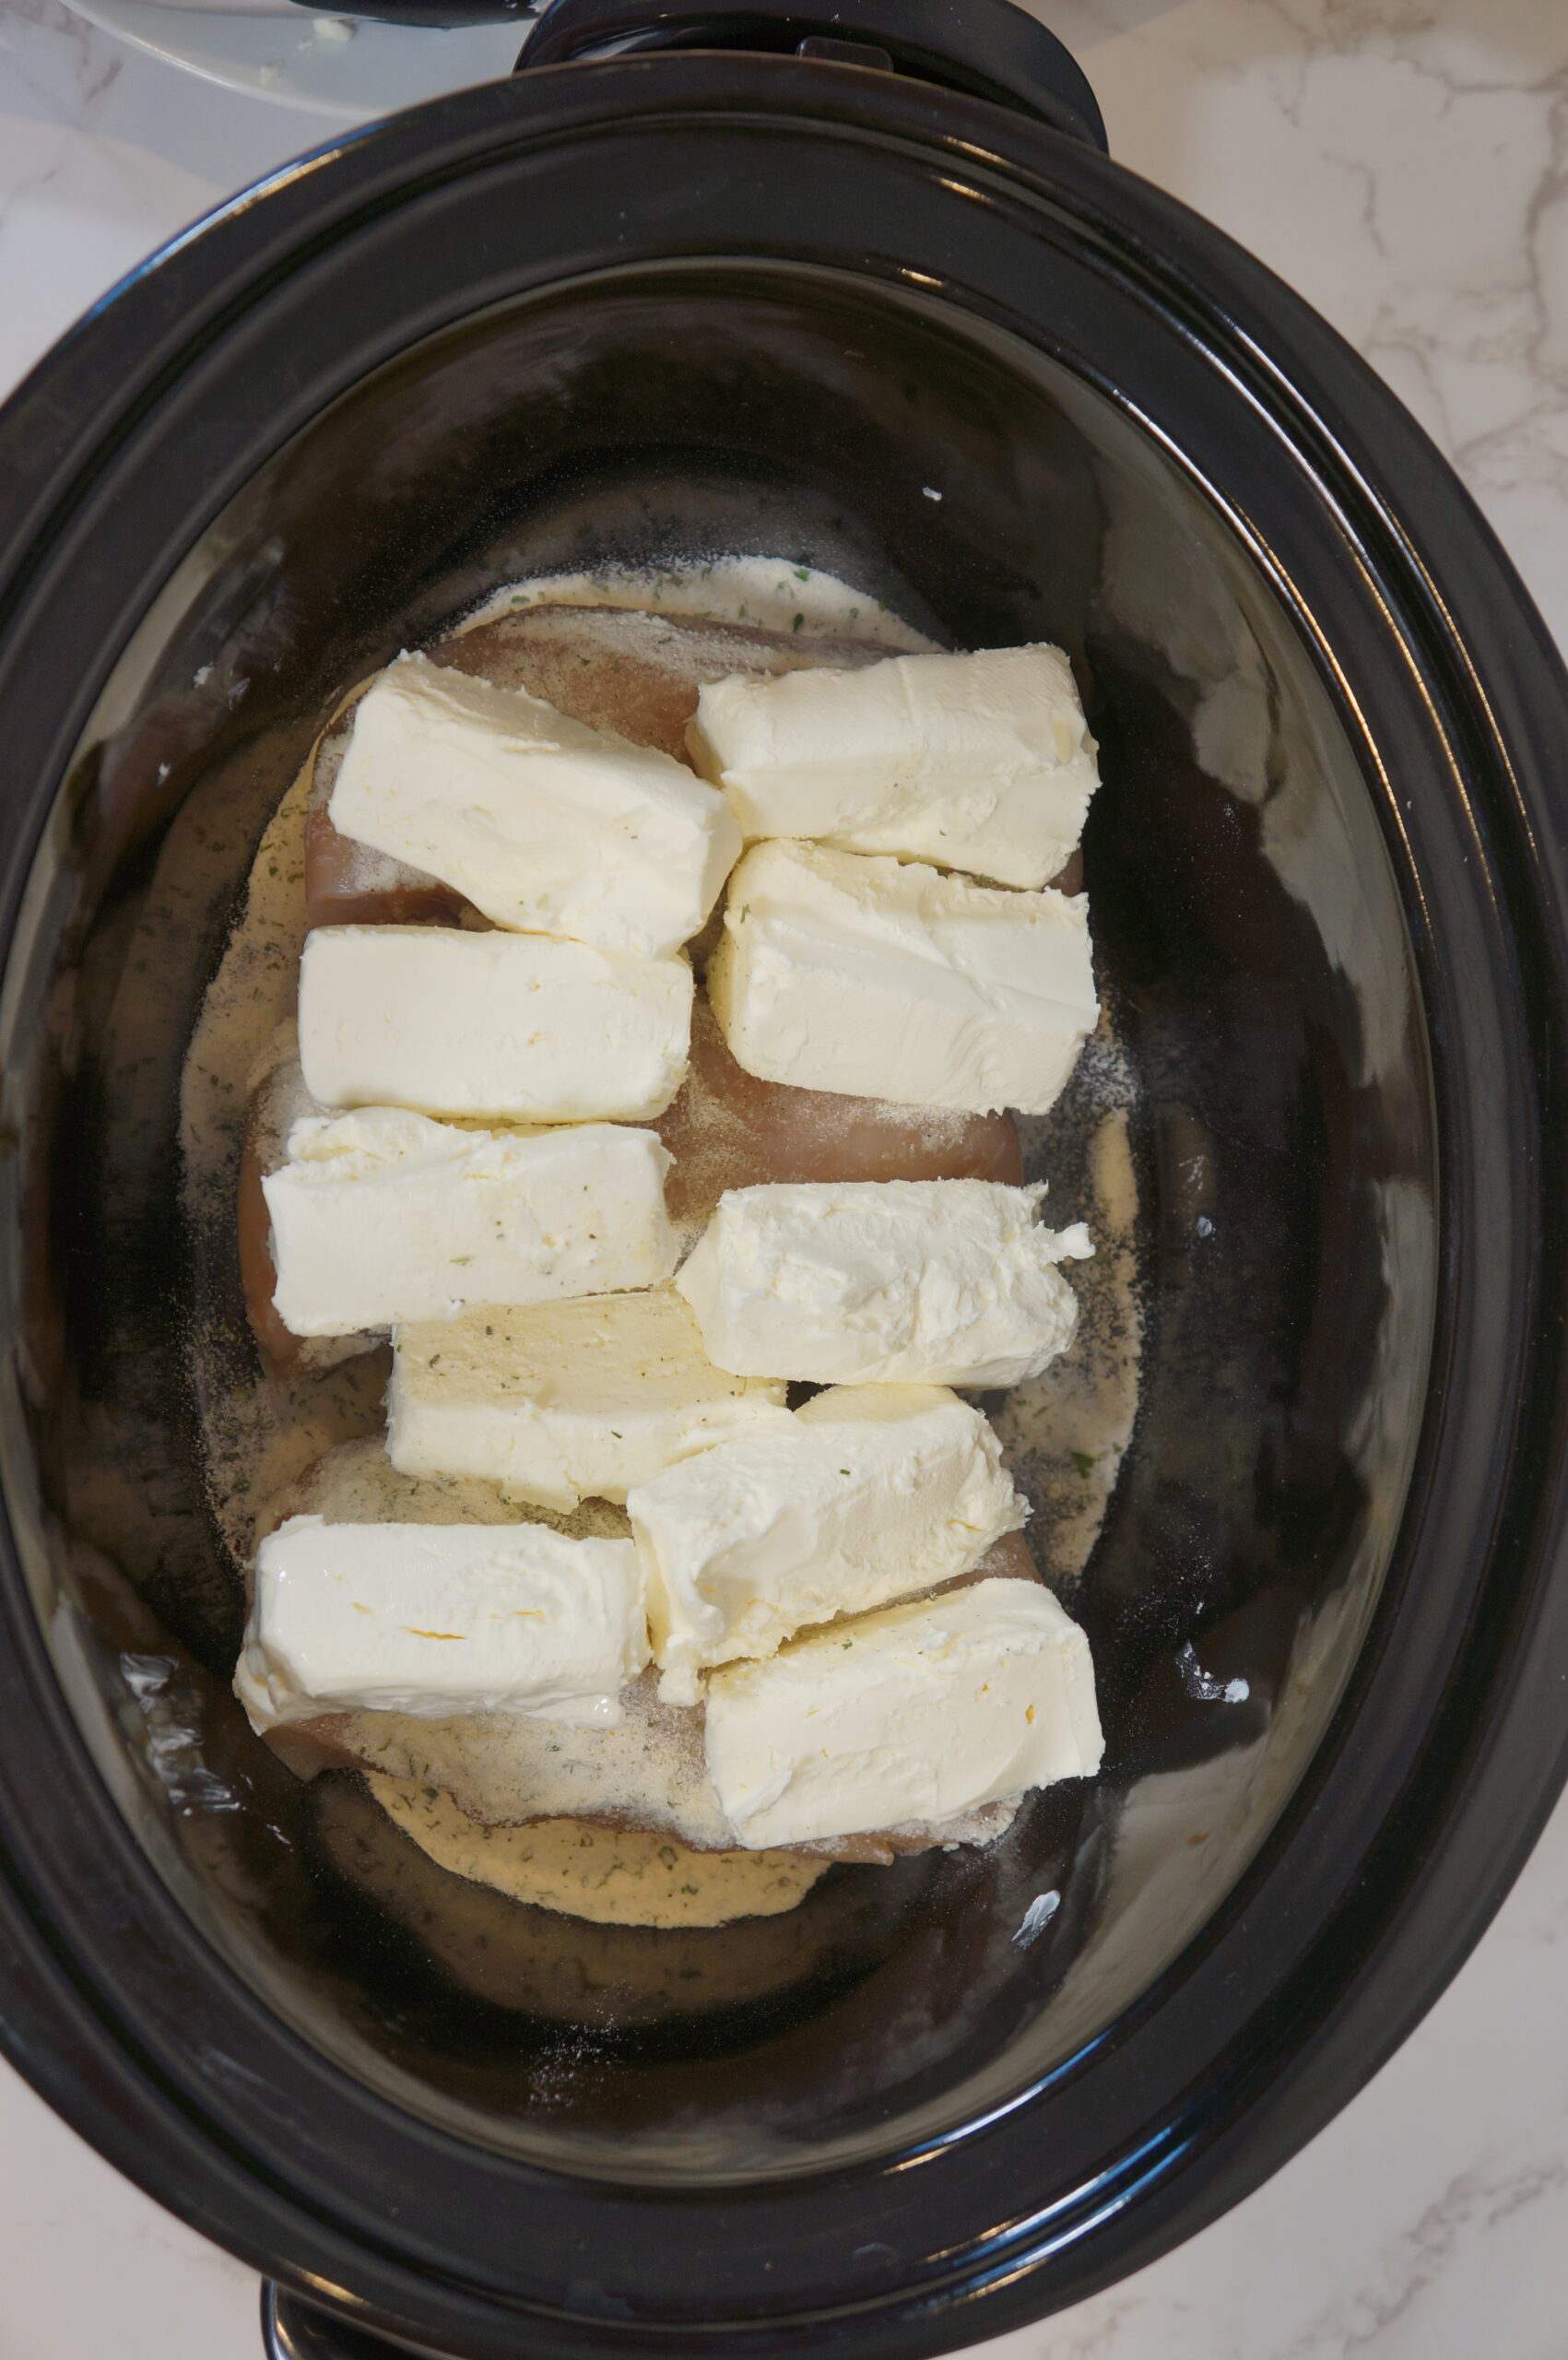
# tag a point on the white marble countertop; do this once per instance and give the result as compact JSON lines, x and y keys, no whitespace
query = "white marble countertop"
{"x":1405,"y":164}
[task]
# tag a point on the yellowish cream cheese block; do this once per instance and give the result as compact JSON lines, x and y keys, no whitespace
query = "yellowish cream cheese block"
{"x":508,"y":1027}
{"x":383,"y":1216}
{"x":544,"y":824}
{"x":868,"y":1494}
{"x":882,"y":978}
{"x":981,"y":762}
{"x":918,"y":1712}
{"x":434,"y":1620}
{"x":884,"y":1282}
{"x":575,"y":1399}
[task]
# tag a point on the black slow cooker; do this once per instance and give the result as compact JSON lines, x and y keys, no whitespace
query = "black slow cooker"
{"x":891,"y":313}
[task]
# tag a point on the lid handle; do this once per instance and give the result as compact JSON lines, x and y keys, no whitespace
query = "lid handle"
{"x":989,"y":47}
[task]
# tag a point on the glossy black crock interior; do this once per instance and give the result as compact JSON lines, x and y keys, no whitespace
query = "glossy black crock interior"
{"x":1254,"y":959}
{"x":1263,"y":926}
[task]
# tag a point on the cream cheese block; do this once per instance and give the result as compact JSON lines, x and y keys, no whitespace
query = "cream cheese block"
{"x":383,"y":1216}
{"x":981,"y":762}
{"x":571,"y":1400}
{"x":435,"y":1620}
{"x":512,"y":1026}
{"x":882,"y":978}
{"x":870,"y":1493}
{"x":917,"y":1712}
{"x":546,"y":825}
{"x":884,"y":1282}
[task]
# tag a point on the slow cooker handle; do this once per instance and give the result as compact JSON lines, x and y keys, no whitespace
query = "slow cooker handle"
{"x":990,"y":48}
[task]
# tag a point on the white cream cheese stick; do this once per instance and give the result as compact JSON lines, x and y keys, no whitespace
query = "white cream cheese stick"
{"x":884,"y":979}
{"x":870,"y":1493}
{"x":513,"y":1027}
{"x":884,"y":1282}
{"x":981,"y":762}
{"x":574,"y":1401}
{"x":917,"y":1712}
{"x":382,"y":1216}
{"x":544,"y":824}
{"x":434,"y":1620}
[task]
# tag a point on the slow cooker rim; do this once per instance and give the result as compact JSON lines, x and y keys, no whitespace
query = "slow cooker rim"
{"x":1548,"y":675}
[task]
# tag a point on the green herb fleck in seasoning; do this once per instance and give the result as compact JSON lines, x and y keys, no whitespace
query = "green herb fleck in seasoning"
{"x":1082,"y":1459}
{"x":797,"y":624}
{"x":803,"y":573}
